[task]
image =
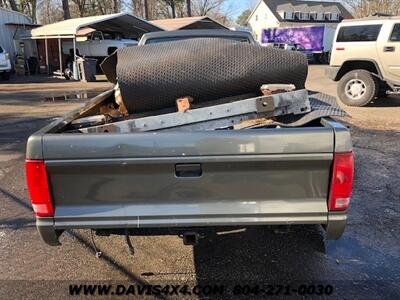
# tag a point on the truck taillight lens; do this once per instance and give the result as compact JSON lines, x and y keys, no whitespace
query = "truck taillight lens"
{"x":38,"y":187}
{"x":342,"y":181}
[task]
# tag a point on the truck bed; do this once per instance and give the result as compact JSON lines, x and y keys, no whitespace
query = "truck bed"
{"x":145,"y":180}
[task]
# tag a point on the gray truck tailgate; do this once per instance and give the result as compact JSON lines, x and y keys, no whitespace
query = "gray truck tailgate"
{"x":166,"y":179}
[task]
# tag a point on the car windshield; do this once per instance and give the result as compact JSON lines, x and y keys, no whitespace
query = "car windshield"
{"x":180,"y":38}
{"x":108,"y":36}
{"x":1,"y":50}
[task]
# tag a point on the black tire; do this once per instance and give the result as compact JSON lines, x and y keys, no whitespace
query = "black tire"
{"x":68,"y":74}
{"x":361,"y":84}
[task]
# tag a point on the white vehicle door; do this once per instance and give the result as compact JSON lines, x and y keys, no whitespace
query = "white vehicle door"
{"x":389,"y":51}
{"x":96,"y":46}
{"x":3,"y":60}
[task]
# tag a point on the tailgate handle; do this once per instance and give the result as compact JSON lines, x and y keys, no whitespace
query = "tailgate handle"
{"x":188,"y":170}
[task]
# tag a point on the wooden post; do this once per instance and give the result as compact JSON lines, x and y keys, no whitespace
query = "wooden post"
{"x":47,"y":57}
{"x":60,"y":55}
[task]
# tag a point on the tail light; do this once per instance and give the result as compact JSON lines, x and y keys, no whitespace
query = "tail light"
{"x":342,"y":181}
{"x":38,"y":187}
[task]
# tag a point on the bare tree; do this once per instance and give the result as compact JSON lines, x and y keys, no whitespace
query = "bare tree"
{"x":172,"y":4}
{"x":81,"y":5}
{"x":146,"y":9}
{"x":116,"y":6}
{"x":189,"y":7}
{"x":65,"y":7}
{"x":364,"y":8}
{"x":161,"y":9}
{"x":49,"y":11}
{"x":13,"y":5}
{"x":214,"y":9}
{"x":242,"y":19}
{"x":203,"y":7}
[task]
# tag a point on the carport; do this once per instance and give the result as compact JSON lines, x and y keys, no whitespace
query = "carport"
{"x":124,"y":23}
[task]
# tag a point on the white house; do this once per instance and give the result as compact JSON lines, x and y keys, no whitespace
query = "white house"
{"x":287,"y":13}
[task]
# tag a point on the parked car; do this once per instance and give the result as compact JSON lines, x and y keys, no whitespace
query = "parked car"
{"x":188,"y":182}
{"x":97,"y":44}
{"x":366,"y":59}
{"x":5,"y":63}
{"x":292,"y":47}
{"x":178,"y":35}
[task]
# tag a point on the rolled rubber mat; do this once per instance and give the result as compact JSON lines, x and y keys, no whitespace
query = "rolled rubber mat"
{"x":153,"y":76}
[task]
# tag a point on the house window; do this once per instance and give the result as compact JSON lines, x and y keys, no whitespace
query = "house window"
{"x":327,"y":16}
{"x":288,"y":15}
{"x":297,"y":15}
{"x":305,"y":16}
{"x":313,"y":16}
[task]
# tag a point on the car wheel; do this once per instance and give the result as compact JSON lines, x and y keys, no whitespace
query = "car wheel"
{"x":68,"y":74}
{"x":357,"y":88}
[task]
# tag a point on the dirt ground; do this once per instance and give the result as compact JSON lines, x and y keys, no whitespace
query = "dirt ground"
{"x":364,"y":263}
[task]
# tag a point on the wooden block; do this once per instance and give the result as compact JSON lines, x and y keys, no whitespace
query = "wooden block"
{"x":253,"y":123}
{"x":269,"y":89}
{"x":183,"y":104}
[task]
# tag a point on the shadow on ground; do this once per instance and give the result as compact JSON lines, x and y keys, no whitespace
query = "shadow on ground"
{"x":389,"y":101}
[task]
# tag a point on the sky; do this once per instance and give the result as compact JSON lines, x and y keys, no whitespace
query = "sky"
{"x":236,"y":7}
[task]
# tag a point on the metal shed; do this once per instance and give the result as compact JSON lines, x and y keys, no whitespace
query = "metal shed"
{"x":13,"y":24}
{"x":125,"y":23}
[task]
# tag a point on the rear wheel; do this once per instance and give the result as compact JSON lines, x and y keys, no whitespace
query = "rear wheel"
{"x":357,"y":88}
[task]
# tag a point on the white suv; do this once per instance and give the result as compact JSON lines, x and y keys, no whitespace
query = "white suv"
{"x":5,"y":64}
{"x":366,"y":59}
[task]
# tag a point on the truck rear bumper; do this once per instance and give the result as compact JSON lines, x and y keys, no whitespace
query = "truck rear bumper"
{"x":334,"y":224}
{"x":194,"y":221}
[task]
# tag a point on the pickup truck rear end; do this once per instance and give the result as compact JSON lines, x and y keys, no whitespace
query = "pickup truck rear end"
{"x":158,"y":182}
